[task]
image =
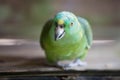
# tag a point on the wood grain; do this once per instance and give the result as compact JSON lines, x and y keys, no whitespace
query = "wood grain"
{"x":26,"y":57}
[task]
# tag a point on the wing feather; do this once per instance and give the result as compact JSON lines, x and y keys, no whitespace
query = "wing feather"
{"x":45,"y":31}
{"x":87,"y":29}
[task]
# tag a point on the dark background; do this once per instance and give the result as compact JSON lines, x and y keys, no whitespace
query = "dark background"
{"x":25,"y":18}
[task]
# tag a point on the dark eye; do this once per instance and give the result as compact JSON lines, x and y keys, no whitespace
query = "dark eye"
{"x":71,"y":24}
{"x":61,"y":26}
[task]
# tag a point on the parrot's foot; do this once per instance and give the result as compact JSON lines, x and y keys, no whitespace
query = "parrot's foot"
{"x":72,"y":65}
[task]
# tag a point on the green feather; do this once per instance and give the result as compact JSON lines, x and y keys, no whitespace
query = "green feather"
{"x":87,"y":30}
{"x":75,"y":42}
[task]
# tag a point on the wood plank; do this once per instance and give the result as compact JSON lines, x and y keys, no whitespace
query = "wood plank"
{"x":98,"y":73}
{"x":24,"y":57}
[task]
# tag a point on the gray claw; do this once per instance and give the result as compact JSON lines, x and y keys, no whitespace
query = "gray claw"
{"x":72,"y":64}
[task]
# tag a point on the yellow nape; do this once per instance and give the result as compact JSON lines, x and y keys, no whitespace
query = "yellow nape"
{"x":60,"y":22}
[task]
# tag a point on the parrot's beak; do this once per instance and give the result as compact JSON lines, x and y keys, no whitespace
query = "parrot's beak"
{"x":59,"y":32}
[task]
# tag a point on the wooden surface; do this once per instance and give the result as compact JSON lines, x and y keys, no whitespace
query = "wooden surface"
{"x":19,"y":56}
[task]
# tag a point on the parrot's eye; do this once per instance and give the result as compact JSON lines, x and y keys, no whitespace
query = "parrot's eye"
{"x":71,"y":24}
{"x":61,"y":26}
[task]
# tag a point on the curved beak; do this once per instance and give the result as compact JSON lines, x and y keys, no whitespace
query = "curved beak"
{"x":59,"y":32}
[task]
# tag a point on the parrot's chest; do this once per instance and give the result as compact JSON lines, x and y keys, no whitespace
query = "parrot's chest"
{"x":63,"y":49}
{"x":65,"y":46}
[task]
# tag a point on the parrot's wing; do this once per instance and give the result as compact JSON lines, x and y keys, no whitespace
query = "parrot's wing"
{"x":45,"y":31}
{"x":87,"y":29}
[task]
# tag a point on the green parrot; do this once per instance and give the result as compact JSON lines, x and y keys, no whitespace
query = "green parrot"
{"x":66,"y":37}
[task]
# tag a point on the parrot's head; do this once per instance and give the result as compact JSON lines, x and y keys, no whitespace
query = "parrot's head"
{"x":65,"y":23}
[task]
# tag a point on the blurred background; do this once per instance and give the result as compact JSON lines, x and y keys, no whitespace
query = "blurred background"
{"x":25,"y":18}
{"x":21,"y":22}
